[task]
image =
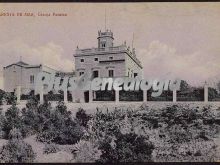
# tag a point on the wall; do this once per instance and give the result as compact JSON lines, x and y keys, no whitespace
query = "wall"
{"x":16,"y":75}
{"x":89,"y":64}
{"x":134,"y":68}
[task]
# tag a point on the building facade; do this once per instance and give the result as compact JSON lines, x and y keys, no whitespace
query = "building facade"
{"x":23,"y":75}
{"x":107,"y":60}
{"x":104,"y":61}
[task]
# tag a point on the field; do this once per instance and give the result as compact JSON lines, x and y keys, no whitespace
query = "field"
{"x":106,"y":132}
{"x":91,"y":108}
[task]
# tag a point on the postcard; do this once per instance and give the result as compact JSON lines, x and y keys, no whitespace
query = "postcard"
{"x":109,"y":82}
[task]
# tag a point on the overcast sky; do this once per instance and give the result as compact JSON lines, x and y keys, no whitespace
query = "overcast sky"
{"x":171,"y":39}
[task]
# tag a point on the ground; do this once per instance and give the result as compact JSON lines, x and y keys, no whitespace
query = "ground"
{"x":92,"y":107}
{"x":64,"y":155}
{"x":217,"y":142}
{"x":59,"y":157}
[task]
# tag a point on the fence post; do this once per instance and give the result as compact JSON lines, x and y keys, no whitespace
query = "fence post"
{"x":117,"y":96}
{"x":18,"y":94}
{"x":174,"y":95}
{"x":145,"y":95}
{"x":73,"y":93}
{"x":206,"y":93}
{"x":65,"y":95}
{"x":90,"y":96}
{"x":94,"y":94}
{"x":42,"y":94}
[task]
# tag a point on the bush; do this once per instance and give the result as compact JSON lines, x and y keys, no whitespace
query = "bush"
{"x":13,"y":120}
{"x":54,"y":97}
{"x":60,"y":128}
{"x":10,"y":98}
{"x":128,"y":148}
{"x":16,"y":150}
{"x":7,"y":97}
{"x":2,"y":93}
{"x":35,"y":117}
{"x":169,"y":129}
{"x":185,"y":134}
{"x":2,"y":120}
{"x":86,"y":151}
{"x":131,"y":95}
{"x":82,"y":117}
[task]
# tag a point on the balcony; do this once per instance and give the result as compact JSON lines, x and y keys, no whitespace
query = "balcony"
{"x":100,"y":50}
{"x":115,"y":49}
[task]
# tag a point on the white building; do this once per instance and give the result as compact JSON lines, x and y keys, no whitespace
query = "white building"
{"x":107,"y":60}
{"x":23,"y":75}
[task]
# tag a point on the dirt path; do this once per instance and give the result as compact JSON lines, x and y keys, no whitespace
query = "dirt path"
{"x":59,"y":157}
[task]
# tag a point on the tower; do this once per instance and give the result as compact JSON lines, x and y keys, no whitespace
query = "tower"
{"x":105,"y":39}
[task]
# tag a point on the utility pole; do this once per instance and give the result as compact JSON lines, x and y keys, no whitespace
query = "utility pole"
{"x":132,"y":42}
{"x":105,"y":19}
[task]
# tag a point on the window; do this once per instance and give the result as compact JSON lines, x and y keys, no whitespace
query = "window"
{"x":32,"y":79}
{"x":61,"y":81}
{"x":135,"y":74}
{"x":81,"y":73}
{"x":96,"y":59}
{"x":111,"y":73}
{"x":110,"y":58}
{"x":95,"y":74}
{"x":82,"y":60}
{"x":103,"y":45}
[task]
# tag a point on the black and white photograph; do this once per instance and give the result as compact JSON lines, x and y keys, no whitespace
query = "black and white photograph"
{"x":109,"y":82}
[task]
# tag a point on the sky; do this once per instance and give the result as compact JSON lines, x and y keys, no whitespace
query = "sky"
{"x":171,"y":39}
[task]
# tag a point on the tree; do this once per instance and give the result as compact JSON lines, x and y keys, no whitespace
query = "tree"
{"x":59,"y":127}
{"x":184,"y":86}
{"x":13,"y":120}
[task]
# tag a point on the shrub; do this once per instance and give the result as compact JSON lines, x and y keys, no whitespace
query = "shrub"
{"x":177,"y":132}
{"x":185,"y":134}
{"x":13,"y":119}
{"x":60,"y":128}
{"x":82,"y":117}
{"x":35,"y":117}
{"x":128,"y":148}
{"x":86,"y":151}
{"x":2,"y":93}
{"x":2,"y":120}
{"x":131,"y":95}
{"x":7,"y":97}
{"x":70,"y":133}
{"x":32,"y":102}
{"x":16,"y":150}
{"x":10,"y":98}
{"x":2,"y":123}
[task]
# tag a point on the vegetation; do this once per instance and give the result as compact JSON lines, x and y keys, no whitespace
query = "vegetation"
{"x":82,"y":117}
{"x":7,"y":98}
{"x":173,"y":133}
{"x":16,"y":150}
